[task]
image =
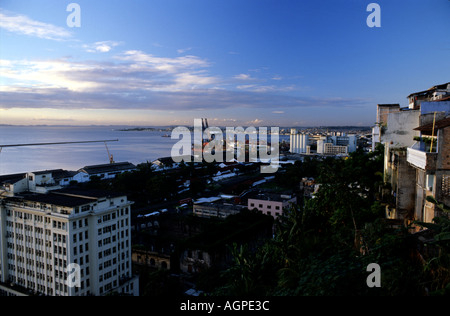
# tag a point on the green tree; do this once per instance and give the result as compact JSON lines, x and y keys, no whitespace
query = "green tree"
{"x":437,"y":265}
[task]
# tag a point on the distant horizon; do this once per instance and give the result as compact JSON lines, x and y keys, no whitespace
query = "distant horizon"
{"x":170,"y":126}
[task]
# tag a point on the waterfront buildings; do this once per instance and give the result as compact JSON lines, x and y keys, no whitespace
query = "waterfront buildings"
{"x":103,"y":171}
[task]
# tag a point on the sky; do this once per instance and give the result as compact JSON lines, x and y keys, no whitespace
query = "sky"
{"x":235,"y":62}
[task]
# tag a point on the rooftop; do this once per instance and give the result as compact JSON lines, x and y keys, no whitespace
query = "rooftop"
{"x":57,"y":174}
{"x":268,"y":196}
{"x":65,"y":197}
{"x":52,"y":199}
{"x":428,"y":128}
{"x":110,"y":167}
{"x":12,"y":178}
{"x":444,"y":86}
{"x":88,"y":193}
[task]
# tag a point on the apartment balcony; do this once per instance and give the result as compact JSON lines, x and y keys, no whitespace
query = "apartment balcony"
{"x":419,"y":156}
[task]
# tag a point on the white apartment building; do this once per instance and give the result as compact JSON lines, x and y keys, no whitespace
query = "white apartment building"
{"x":66,"y":243}
{"x":337,"y":144}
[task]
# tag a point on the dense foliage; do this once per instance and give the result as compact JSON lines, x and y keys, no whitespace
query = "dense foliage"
{"x":324,"y":246}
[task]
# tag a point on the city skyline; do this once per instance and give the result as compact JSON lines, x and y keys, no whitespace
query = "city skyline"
{"x":159,"y":63}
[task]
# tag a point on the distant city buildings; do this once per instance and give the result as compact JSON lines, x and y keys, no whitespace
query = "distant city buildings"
{"x":333,"y":143}
{"x":337,"y":143}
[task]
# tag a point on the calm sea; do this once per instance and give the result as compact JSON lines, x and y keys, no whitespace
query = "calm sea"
{"x":132,"y":146}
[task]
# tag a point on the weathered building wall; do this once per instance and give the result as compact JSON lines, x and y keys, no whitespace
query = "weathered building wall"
{"x":400,"y":128}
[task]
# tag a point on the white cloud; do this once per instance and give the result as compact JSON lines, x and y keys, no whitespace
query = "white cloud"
{"x":100,"y":47}
{"x":166,"y":64}
{"x":255,"y":122}
{"x":22,"y":24}
{"x":183,"y":50}
{"x":130,"y":71}
{"x":243,"y":77}
{"x":137,"y":80}
{"x":265,"y":88}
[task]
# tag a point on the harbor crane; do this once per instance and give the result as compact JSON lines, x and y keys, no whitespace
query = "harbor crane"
{"x":110,"y":156}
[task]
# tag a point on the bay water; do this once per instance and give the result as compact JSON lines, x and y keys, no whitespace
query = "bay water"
{"x":132,"y":146}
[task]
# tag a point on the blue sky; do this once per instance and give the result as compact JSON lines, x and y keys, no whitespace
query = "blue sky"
{"x":247,"y":62}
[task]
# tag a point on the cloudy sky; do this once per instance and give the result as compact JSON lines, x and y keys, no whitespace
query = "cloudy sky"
{"x":236,"y":62}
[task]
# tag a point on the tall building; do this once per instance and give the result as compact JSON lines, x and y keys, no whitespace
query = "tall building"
{"x":299,"y":142}
{"x":65,"y":243}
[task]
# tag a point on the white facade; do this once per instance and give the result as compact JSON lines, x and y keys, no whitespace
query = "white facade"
{"x":337,"y":144}
{"x":42,"y":234}
{"x":298,"y":142}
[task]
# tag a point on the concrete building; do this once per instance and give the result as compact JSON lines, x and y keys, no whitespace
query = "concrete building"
{"x":336,"y":144}
{"x":439,"y":92}
{"x":383,"y":111}
{"x":66,"y":243}
{"x":430,"y":158}
{"x":398,"y":131}
{"x":270,"y":203}
{"x":47,"y":180}
{"x":299,"y":142}
{"x":215,"y":209}
{"x":38,"y":181}
{"x":151,"y":259}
